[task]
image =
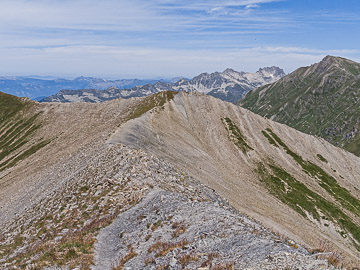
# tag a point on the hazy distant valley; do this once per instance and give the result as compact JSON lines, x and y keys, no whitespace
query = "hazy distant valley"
{"x":37,"y":87}
{"x":229,"y":85}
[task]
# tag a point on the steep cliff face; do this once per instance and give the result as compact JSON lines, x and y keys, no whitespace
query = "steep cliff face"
{"x":321,"y":100}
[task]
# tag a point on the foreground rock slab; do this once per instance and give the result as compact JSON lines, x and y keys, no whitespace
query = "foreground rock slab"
{"x":167,"y":230}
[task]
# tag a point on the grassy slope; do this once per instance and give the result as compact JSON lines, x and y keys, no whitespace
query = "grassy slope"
{"x":150,"y":102}
{"x":18,"y":124}
{"x":323,"y":102}
{"x":299,"y":197}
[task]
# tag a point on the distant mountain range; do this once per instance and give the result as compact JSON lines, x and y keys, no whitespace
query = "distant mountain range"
{"x":323,"y":100}
{"x":229,"y":85}
{"x":39,"y":87}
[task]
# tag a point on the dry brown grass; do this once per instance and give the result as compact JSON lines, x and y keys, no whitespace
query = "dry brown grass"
{"x":163,"y":248}
{"x":209,"y":259}
{"x":125,"y":259}
{"x":74,"y":249}
{"x":141,"y":217}
{"x":149,"y":260}
{"x":163,"y":267}
{"x":156,"y":225}
{"x":179,"y":228}
{"x":147,"y":237}
{"x":187,"y":258}
{"x":327,"y":251}
{"x":335,"y":259}
{"x":226,"y":266}
{"x":172,"y":121}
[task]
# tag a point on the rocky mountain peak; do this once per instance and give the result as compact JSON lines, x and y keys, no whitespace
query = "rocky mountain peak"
{"x":275,"y":71}
{"x":200,"y":76}
{"x":232,"y":73}
{"x":329,"y":60}
{"x":331,"y":64}
{"x":229,"y":70}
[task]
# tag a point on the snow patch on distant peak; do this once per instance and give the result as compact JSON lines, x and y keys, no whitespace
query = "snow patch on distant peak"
{"x":229,"y":85}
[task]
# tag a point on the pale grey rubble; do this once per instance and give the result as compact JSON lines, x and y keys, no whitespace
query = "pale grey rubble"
{"x":211,"y":225}
{"x":210,"y":229}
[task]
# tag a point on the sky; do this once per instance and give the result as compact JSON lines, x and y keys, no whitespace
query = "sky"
{"x":171,"y":38}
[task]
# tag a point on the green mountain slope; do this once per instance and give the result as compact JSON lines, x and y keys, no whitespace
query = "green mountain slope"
{"x":321,"y":100}
{"x":18,"y":124}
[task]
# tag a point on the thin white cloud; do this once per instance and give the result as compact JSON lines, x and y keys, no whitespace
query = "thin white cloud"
{"x":252,"y":6}
{"x":300,"y":50}
{"x":142,"y":38}
{"x":128,"y":62}
{"x":232,"y":7}
{"x":250,"y":2}
{"x":137,"y":15}
{"x":78,"y":22}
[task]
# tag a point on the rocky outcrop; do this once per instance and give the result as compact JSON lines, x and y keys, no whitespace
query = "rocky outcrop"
{"x":179,"y":232}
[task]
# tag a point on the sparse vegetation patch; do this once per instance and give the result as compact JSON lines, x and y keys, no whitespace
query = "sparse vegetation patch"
{"x":163,"y":248}
{"x":322,"y":158}
{"x":326,"y":181}
{"x":270,"y":139}
{"x":17,"y":127}
{"x":150,"y":102}
{"x":238,"y":138}
{"x":304,"y":201}
{"x":300,"y":198}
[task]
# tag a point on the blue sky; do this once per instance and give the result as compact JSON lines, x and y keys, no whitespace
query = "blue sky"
{"x":168,"y":38}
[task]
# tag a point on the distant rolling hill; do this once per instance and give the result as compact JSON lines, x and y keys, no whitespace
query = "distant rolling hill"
{"x":38,"y":88}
